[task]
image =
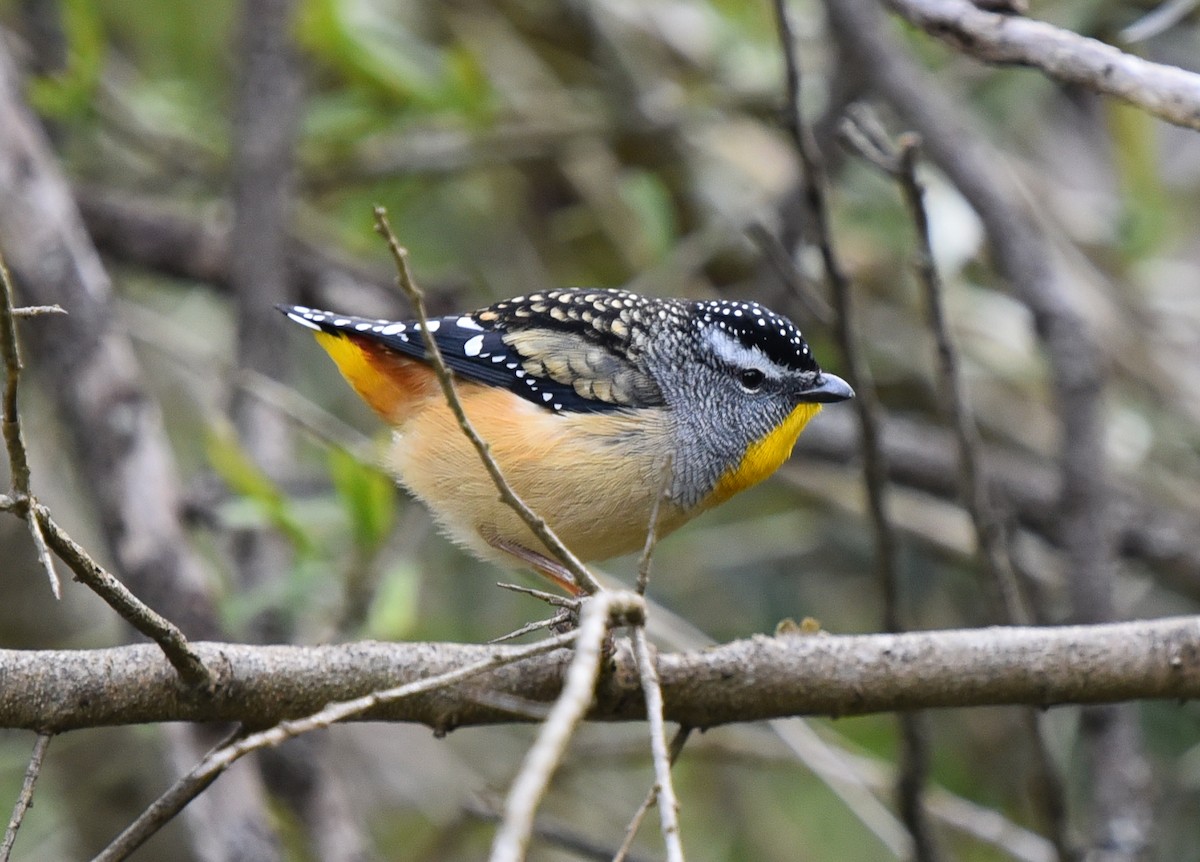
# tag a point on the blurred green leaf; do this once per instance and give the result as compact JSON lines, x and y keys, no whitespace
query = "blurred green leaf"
{"x":244,"y":478}
{"x":646,"y":194}
{"x":368,"y":495}
{"x":394,"y":611}
{"x":377,"y":52}
{"x":72,"y":91}
{"x":1147,"y":211}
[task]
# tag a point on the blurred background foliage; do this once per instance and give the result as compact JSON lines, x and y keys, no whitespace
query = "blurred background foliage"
{"x":520,"y":145}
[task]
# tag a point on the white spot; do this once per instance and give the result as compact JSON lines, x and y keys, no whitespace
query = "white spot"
{"x":468,"y":323}
{"x":433,"y":326}
{"x":362,"y":327}
{"x":557,"y":406}
{"x":546,"y":396}
{"x":473,"y":346}
{"x":497,"y":358}
{"x":341,"y":321}
{"x":304,"y":322}
{"x":518,"y":372}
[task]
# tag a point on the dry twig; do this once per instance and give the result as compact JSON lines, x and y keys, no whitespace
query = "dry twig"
{"x":899,"y":160}
{"x":208,"y":770}
{"x":583,"y":578}
{"x":14,"y":442}
{"x":25,"y":797}
{"x":677,"y":742}
{"x":664,"y":789}
{"x":1167,"y":92}
{"x":528,"y":788}
{"x":914,"y":744}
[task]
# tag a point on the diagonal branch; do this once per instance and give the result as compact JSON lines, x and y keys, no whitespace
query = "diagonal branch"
{"x":536,"y":523}
{"x":1168,"y":92}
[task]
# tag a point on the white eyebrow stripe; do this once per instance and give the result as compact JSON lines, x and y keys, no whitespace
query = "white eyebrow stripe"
{"x":739,"y":355}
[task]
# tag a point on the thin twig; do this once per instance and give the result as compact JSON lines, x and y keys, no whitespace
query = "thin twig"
{"x":583,"y":578}
{"x":14,"y":442}
{"x":677,"y":742}
{"x":643,"y":577}
{"x":23,"y":311}
{"x":790,"y":274}
{"x":541,"y":595}
{"x":25,"y":797}
{"x":668,"y":803}
{"x":910,"y":786}
{"x":549,"y":832}
{"x":899,"y":160}
{"x":131,"y":609}
{"x":206,"y":771}
{"x":562,"y":617}
{"x":528,"y":788}
{"x":989,"y":530}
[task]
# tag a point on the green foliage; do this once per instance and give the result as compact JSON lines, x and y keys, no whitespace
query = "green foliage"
{"x":367,"y":495}
{"x":71,"y":92}
{"x":264,"y":501}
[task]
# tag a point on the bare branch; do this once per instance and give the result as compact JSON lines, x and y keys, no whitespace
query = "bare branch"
{"x":1167,"y":92}
{"x":25,"y":797}
{"x":14,"y":442}
{"x":747,"y":680}
{"x":132,"y":609}
{"x":664,"y":790}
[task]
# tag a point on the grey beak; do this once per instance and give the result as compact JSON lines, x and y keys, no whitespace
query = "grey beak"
{"x":828,"y":389}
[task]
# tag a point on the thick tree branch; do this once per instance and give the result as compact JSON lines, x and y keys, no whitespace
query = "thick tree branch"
{"x":1168,"y":92}
{"x":746,"y":680}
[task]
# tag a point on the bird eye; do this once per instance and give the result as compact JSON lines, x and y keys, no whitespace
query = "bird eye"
{"x":751,"y":378}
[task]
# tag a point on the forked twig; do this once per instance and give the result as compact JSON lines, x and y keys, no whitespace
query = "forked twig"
{"x":14,"y":442}
{"x":528,"y":788}
{"x":210,"y":768}
{"x":47,"y":535}
{"x":584,"y":579}
{"x":677,"y":743}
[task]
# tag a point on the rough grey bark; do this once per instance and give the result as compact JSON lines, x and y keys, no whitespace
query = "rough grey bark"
{"x":746,"y":680}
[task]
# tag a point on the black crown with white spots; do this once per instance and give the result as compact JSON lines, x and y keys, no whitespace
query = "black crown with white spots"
{"x":756,"y":326}
{"x":573,"y":349}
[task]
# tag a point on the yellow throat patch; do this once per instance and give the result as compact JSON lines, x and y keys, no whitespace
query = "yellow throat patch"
{"x":764,"y":456}
{"x":364,"y":368}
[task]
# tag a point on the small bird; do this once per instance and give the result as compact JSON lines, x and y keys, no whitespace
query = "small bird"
{"x":582,"y":395}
